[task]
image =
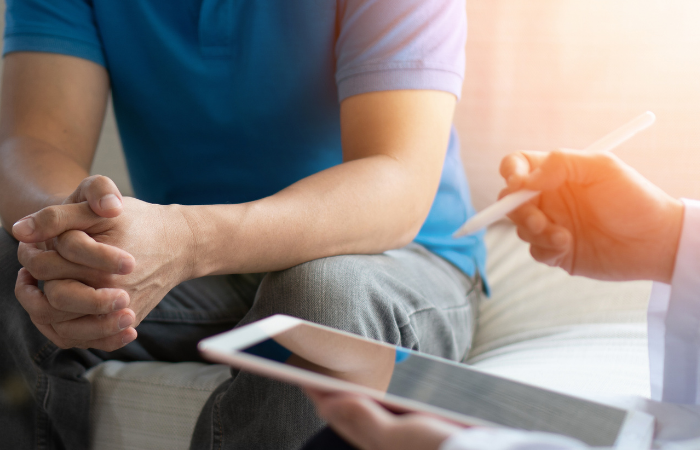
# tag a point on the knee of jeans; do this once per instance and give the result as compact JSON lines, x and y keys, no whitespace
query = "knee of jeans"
{"x":342,"y":292}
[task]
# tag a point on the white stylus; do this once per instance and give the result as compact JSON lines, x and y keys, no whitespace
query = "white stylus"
{"x":512,"y":201}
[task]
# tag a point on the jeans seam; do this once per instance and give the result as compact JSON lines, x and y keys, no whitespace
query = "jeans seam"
{"x":42,"y":420}
{"x":218,"y":422}
{"x":36,"y":358}
{"x":414,"y":337}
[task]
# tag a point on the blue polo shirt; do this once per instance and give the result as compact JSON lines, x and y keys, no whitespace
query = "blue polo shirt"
{"x":230,"y":101}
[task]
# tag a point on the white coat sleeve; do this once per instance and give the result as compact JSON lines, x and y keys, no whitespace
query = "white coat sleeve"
{"x":674,"y":321}
{"x":508,"y":439}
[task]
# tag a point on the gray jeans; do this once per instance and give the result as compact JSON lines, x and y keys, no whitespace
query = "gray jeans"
{"x":408,"y":297}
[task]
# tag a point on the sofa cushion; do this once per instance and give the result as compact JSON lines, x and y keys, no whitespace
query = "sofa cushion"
{"x":149,"y":405}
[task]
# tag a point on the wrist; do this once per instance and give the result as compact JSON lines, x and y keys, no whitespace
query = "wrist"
{"x":208,"y":233}
{"x":182,"y":228}
{"x":670,"y":241}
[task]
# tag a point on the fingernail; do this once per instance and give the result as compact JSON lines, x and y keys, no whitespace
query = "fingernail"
{"x":125,"y":321}
{"x":110,"y":201}
{"x":24,"y":227}
{"x":120,"y":303}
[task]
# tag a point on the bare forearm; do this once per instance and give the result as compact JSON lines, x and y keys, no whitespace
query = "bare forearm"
{"x":364,"y":206}
{"x":33,"y":175}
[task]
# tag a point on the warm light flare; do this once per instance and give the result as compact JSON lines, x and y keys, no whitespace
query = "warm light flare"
{"x":560,"y":73}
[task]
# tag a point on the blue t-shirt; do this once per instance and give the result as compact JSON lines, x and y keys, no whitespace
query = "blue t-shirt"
{"x":230,"y":101}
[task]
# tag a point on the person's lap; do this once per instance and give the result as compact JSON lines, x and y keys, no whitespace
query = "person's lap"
{"x":408,"y":297}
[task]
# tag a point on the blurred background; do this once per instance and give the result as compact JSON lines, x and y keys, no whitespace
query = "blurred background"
{"x":561,"y":73}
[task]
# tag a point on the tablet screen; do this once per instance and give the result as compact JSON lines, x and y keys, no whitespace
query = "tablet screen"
{"x":441,"y":383}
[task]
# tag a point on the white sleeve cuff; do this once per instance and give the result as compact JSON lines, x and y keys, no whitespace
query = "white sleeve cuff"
{"x":508,"y":439}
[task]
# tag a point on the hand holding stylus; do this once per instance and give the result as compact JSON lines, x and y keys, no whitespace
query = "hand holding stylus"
{"x":510,"y":202}
{"x":595,"y":216}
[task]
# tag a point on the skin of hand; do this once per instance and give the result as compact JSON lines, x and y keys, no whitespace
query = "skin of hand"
{"x":595,"y":217}
{"x":100,"y":315}
{"x":369,"y":426}
{"x":89,"y":269}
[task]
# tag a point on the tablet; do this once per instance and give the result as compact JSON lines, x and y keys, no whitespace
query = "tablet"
{"x":306,"y":354}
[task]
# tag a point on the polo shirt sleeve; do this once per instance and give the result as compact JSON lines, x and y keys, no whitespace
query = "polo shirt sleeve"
{"x":400,"y":44}
{"x":67,"y":27}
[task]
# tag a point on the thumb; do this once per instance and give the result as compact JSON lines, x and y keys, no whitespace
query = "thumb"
{"x":102,"y":195}
{"x":360,"y":420}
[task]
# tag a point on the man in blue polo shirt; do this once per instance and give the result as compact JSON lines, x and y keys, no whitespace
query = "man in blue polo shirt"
{"x":287,"y":157}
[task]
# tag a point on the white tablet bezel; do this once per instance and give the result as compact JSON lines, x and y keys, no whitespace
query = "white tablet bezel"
{"x":635,"y":432}
{"x":225,"y":348}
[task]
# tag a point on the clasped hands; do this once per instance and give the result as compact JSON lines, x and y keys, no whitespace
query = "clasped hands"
{"x":106,"y":261}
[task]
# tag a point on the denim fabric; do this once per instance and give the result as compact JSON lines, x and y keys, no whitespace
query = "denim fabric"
{"x":408,"y":297}
{"x":327,"y":439}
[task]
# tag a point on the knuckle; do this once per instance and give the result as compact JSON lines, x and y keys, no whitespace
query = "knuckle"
{"x":50,"y":217}
{"x":40,"y":316}
{"x":23,"y":255}
{"x":57,"y":298}
{"x":20,"y":292}
{"x":89,"y":180}
{"x":37,"y":269}
{"x":106,"y":327}
{"x":101,"y":182}
{"x":69,"y":246}
{"x":103,"y":279}
{"x":558,"y":157}
{"x":61,"y":330}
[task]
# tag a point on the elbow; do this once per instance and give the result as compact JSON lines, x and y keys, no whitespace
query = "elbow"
{"x":409,"y":229}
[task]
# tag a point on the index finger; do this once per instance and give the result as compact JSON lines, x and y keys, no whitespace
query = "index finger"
{"x":76,"y":246}
{"x":76,"y":297}
{"x":53,"y":220}
{"x":34,"y":301}
{"x":517,"y":166}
